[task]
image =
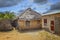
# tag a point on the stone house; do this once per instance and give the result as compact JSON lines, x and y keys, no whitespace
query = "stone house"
{"x":51,"y":21}
{"x":29,"y":19}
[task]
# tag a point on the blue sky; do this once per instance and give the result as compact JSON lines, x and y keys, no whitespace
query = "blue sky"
{"x":37,"y":6}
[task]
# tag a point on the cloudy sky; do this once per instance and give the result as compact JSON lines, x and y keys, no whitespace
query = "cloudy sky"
{"x":40,"y":6}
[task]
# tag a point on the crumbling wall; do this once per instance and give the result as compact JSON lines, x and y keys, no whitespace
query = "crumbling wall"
{"x":57,"y":24}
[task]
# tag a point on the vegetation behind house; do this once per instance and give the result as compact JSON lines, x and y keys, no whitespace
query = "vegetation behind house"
{"x":7,"y":15}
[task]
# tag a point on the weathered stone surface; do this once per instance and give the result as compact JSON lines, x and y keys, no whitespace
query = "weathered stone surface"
{"x":57,"y":24}
{"x":5,"y":25}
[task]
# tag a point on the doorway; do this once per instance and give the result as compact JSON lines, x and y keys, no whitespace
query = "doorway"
{"x":52,"y":26}
{"x":28,"y":23}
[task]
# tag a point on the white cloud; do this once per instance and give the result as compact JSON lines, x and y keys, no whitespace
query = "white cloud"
{"x":31,"y":0}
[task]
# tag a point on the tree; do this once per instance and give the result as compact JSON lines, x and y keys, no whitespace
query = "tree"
{"x":1,"y":15}
{"x":7,"y":15}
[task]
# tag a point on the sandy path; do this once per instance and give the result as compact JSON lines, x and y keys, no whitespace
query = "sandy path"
{"x":15,"y":35}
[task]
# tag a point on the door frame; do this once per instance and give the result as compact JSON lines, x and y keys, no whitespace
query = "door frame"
{"x":27,"y":23}
{"x":52,"y":25}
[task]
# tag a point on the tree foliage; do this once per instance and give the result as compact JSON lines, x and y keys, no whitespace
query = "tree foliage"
{"x":7,"y":15}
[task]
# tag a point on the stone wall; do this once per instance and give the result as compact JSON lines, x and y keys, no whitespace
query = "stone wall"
{"x":57,"y":24}
{"x":5,"y":25}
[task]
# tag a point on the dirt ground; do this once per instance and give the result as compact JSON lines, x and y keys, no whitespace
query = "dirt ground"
{"x":35,"y":35}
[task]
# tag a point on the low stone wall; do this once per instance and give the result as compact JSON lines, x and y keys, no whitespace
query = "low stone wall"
{"x":5,"y":25}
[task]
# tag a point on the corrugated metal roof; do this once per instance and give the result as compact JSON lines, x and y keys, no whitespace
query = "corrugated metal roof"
{"x":51,"y":12}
